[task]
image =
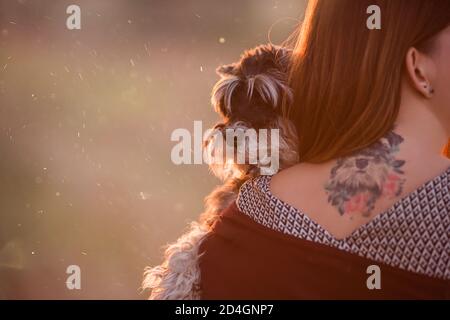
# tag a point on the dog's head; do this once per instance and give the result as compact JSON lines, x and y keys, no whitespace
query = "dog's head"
{"x":249,"y":95}
{"x":252,"y":89}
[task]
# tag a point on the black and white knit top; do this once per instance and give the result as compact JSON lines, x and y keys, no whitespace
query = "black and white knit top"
{"x":414,"y":234}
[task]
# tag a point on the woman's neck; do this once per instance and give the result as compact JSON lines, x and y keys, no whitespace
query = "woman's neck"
{"x":419,"y":125}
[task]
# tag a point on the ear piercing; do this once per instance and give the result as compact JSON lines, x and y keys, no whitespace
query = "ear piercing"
{"x":431,"y":90}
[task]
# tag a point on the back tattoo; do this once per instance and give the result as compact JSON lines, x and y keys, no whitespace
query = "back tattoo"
{"x":358,"y":181}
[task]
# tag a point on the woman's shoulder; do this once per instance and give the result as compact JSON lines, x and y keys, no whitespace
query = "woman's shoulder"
{"x":254,"y":198}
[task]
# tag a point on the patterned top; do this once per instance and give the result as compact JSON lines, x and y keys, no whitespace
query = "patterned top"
{"x":412,"y":235}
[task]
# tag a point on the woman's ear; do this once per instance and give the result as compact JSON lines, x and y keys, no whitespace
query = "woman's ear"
{"x":420,"y":70}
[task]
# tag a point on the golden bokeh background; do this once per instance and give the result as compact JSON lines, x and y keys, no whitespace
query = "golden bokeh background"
{"x":85,"y":123}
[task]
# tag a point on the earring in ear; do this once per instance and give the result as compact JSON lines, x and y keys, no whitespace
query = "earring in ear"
{"x":430,"y":91}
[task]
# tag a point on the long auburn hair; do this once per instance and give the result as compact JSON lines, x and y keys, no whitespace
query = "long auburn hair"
{"x":346,"y":79}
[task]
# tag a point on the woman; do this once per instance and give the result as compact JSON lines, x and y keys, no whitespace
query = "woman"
{"x":366,"y":211}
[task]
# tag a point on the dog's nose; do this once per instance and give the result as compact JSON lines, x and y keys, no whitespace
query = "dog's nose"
{"x":361,"y":163}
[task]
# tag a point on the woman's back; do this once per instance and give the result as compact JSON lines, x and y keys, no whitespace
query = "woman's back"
{"x":314,"y":231}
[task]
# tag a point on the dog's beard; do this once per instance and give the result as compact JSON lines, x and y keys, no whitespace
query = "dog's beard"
{"x":370,"y":178}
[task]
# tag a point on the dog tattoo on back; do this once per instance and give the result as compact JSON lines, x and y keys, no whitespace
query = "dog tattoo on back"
{"x":358,"y":181}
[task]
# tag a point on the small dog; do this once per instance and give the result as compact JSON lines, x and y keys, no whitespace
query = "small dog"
{"x":249,"y":95}
{"x":357,"y":181}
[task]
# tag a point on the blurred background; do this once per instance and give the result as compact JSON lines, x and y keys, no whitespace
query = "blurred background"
{"x":85,"y":122}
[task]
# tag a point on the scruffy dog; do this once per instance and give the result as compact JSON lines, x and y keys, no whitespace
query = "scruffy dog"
{"x":357,"y":181}
{"x":248,"y":95}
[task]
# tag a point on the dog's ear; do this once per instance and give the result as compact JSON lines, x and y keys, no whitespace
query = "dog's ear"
{"x":222,"y":94}
{"x":226,"y":70}
{"x":335,"y":169}
{"x":224,"y":89}
{"x":394,"y":139}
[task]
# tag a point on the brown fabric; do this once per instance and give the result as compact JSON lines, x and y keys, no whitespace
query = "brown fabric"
{"x":242,"y":259}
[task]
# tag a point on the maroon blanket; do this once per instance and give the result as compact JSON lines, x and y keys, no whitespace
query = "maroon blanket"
{"x":245,"y":260}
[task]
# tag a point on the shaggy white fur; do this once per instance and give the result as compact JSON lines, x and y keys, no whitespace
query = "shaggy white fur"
{"x":179,"y":276}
